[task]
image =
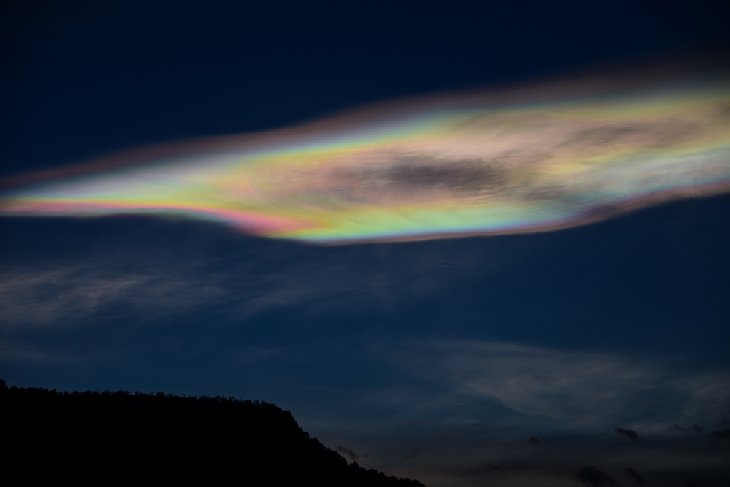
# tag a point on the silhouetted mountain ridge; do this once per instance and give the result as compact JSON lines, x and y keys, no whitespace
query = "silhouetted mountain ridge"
{"x":114,"y":437}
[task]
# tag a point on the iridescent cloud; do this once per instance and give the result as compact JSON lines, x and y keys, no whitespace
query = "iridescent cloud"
{"x":520,"y":160}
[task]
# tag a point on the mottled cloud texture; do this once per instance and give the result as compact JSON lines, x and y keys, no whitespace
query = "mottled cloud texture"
{"x":571,"y":400}
{"x":572,"y":390}
{"x":552,"y":156}
{"x":68,"y":296}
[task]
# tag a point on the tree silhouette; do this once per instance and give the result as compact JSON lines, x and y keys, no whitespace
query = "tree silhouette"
{"x":116,"y":437}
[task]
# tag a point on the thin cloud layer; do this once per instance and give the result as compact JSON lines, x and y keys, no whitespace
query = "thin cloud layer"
{"x":571,"y":390}
{"x":68,"y":296}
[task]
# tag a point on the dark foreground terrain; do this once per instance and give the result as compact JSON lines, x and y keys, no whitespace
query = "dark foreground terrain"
{"x":104,"y":438}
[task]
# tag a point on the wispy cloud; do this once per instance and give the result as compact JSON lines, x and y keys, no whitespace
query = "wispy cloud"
{"x":573,"y":390}
{"x":70,"y":294}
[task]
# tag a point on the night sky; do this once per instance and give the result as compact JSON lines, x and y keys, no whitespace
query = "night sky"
{"x":433,"y":359}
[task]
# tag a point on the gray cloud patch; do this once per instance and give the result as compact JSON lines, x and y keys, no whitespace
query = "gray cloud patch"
{"x":42,"y":297}
{"x":568,"y":389}
{"x":422,"y":173}
{"x":348,"y":453}
{"x":67,"y":295}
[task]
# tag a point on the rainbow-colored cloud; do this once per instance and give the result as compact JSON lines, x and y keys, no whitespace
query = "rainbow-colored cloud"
{"x":525,"y":160}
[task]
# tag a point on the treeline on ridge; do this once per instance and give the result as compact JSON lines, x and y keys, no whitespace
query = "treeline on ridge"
{"x":114,"y":437}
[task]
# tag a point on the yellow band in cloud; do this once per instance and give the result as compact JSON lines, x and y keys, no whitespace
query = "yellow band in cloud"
{"x":522,"y":161}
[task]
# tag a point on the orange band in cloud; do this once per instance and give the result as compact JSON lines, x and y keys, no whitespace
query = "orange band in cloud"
{"x":530,"y":160}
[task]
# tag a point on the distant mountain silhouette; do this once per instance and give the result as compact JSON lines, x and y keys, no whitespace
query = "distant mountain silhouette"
{"x":110,"y":438}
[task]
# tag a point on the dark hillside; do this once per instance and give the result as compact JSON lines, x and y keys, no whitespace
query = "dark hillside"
{"x":113,"y":437}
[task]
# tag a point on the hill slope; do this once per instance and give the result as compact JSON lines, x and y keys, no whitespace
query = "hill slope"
{"x":116,"y":437}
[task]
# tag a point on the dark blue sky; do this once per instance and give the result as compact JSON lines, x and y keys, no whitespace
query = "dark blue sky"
{"x":432,"y":358}
{"x":84,"y":78}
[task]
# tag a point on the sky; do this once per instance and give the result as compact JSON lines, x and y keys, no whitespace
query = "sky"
{"x":429,"y":233}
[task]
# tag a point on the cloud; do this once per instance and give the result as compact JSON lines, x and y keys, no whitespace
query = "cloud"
{"x":593,"y":476}
{"x":467,"y":462}
{"x":571,"y":399}
{"x":68,"y":295}
{"x":634,"y":476}
{"x":566,"y":389}
{"x":627,"y":433}
{"x":348,"y":453}
{"x":40,"y":297}
{"x":720,"y":434}
{"x":433,"y":169}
